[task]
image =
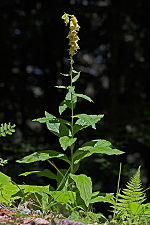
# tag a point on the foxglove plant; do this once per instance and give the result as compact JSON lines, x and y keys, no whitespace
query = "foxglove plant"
{"x":72,"y":189}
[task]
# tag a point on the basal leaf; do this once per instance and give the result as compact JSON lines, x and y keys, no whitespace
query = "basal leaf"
{"x":107,"y":197}
{"x":44,"y":173}
{"x":84,"y":96}
{"x":66,"y":141}
{"x":7,"y":191}
{"x":40,"y":156}
{"x":34,"y":188}
{"x":4,"y":179}
{"x":84,"y":185}
{"x":63,"y":196}
{"x":76,"y":77}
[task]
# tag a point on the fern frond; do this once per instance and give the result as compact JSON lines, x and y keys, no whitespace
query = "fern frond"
{"x":6,"y":129}
{"x":133,"y":193}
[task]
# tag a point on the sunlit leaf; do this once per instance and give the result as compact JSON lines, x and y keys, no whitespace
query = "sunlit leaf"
{"x":40,"y":156}
{"x":84,"y":185}
{"x":76,"y":77}
{"x":107,"y":197}
{"x":57,"y":127}
{"x":63,"y":196}
{"x":4,"y":179}
{"x":44,"y":173}
{"x":84,"y":96}
{"x":85,"y":121}
{"x":62,"y":107}
{"x":99,"y":146}
{"x":66,"y":141}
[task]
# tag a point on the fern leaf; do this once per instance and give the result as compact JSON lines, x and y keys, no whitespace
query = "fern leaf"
{"x":133,"y":193}
{"x":6,"y":129}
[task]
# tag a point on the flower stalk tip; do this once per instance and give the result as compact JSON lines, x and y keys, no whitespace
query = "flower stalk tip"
{"x":73,"y":33}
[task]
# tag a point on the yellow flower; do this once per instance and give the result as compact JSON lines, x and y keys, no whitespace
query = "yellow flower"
{"x":73,"y":37}
{"x":65,"y":17}
{"x":74,"y":26}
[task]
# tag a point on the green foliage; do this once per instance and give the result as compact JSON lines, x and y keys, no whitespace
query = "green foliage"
{"x":129,"y":205}
{"x":6,"y":129}
{"x":132,"y":194}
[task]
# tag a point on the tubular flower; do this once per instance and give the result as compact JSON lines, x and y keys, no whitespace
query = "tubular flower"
{"x":72,"y":36}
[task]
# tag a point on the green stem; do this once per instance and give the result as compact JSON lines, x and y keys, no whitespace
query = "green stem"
{"x":72,"y":114}
{"x":55,"y":168}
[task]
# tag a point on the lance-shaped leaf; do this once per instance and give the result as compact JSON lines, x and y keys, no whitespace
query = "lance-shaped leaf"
{"x":44,"y":173}
{"x":65,"y":74}
{"x":66,"y":142}
{"x":85,"y":121}
{"x":106,"y":197}
{"x":40,"y":156}
{"x":84,"y":185}
{"x":62,"y":107}
{"x":83,"y":96}
{"x":99,"y":146}
{"x":76,"y":77}
{"x":61,"y":87}
{"x":69,"y":102}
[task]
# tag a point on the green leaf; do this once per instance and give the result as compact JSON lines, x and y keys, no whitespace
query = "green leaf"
{"x":66,"y":141}
{"x":65,"y":74}
{"x":68,"y":101}
{"x":55,"y":125}
{"x":76,"y":77}
{"x":62,"y":107}
{"x":85,"y":121}
{"x":52,"y":119}
{"x":34,"y":188}
{"x":99,"y":146}
{"x":62,"y":87}
{"x":101,"y":150}
{"x":107,"y":197}
{"x":40,"y":156}
{"x":6,"y":129}
{"x":84,"y":185}
{"x":58,"y":127}
{"x":4,"y":179}
{"x":83,"y":96}
{"x":6,"y":193}
{"x":44,"y":173}
{"x":74,"y":71}
{"x":63,"y":196}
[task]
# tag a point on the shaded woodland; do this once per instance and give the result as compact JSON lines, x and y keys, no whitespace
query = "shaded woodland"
{"x":114,"y":63}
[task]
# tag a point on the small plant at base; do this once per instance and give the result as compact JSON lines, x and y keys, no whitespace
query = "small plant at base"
{"x":4,"y":130}
{"x":129,"y":207}
{"x":73,"y":191}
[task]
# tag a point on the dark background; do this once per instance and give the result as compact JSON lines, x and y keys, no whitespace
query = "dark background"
{"x":114,"y":60}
